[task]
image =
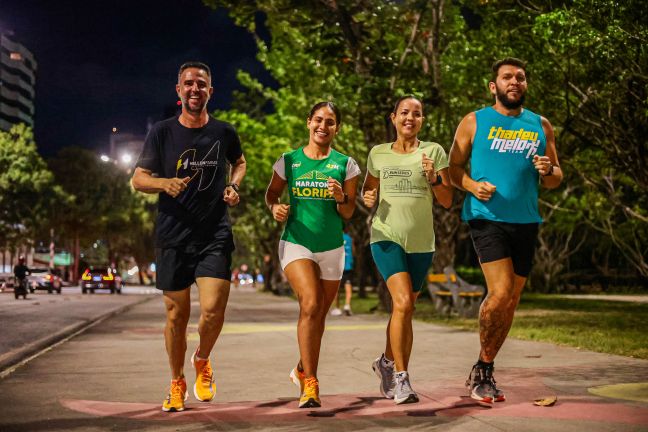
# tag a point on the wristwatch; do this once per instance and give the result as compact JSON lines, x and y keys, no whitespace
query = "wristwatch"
{"x":233,"y":186}
{"x":345,"y":200}
{"x":551,"y":166}
{"x":438,"y":181}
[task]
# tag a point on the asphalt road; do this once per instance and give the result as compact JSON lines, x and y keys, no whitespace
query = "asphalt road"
{"x":28,"y":326}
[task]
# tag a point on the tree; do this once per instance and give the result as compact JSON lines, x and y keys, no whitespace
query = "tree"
{"x":102,"y":205}
{"x":27,"y":189}
{"x":587,"y":63}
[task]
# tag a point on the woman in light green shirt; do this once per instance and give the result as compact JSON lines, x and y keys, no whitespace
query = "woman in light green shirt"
{"x":402,"y":178}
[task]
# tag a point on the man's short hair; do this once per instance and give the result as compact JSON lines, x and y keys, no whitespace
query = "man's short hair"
{"x":511,"y":61}
{"x":196,"y":65}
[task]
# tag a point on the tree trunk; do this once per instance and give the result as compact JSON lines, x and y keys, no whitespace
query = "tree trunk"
{"x":75,"y":268}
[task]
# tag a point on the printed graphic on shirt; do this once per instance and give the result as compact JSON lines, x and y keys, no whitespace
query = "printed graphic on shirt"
{"x":398,"y":181}
{"x":312,"y":185}
{"x":513,"y":141}
{"x":205,"y":169}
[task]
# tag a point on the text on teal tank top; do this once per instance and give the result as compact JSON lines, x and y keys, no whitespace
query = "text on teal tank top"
{"x":502,"y":154}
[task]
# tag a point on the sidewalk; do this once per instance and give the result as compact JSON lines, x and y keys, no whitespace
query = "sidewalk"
{"x":114,"y":377}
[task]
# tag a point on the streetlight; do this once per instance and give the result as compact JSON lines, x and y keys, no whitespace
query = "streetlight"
{"x":126,"y":158}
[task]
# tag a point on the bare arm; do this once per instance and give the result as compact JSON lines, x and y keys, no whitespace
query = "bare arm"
{"x":370,"y":190}
{"x":143,"y":181}
{"x":544,"y":163}
{"x":346,"y":209}
{"x":273,"y":193}
{"x":237,"y":172}
{"x":444,"y":191}
{"x":459,"y":156}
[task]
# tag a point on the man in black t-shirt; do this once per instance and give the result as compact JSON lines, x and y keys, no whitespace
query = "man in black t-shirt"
{"x":186,"y":161}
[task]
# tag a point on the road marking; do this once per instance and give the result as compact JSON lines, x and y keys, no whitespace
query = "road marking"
{"x":631,"y":391}
{"x":273,"y":328}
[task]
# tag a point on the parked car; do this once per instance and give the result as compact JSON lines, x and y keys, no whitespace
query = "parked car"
{"x":101,"y":278}
{"x":43,"y":279}
{"x":6,"y":281}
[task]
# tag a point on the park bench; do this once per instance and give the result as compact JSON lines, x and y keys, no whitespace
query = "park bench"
{"x":451,"y":294}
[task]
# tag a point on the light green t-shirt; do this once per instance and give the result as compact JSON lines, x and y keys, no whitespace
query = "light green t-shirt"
{"x":313,"y":221}
{"x":404,"y":213}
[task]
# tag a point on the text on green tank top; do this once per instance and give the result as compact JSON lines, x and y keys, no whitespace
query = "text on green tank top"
{"x":313,"y":221}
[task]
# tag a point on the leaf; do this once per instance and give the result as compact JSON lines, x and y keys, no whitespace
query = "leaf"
{"x":546,"y":401}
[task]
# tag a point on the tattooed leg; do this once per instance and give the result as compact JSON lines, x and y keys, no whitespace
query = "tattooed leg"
{"x":497,"y":310}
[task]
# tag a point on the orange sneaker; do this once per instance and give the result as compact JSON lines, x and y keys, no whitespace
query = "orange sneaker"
{"x":310,"y":396}
{"x":204,"y":388}
{"x":176,"y":397}
{"x":298,"y":377}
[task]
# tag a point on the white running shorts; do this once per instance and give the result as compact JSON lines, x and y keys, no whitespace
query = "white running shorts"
{"x":331,"y":262}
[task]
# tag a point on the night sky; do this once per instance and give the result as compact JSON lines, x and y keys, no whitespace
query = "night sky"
{"x":112,"y":64}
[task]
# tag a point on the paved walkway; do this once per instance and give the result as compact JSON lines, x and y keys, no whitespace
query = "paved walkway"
{"x":113,"y":377}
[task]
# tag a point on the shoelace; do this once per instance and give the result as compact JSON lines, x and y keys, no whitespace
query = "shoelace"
{"x":310,"y":384}
{"x":176,"y":391}
{"x":487,"y":377}
{"x":482,"y":375}
{"x":206,"y":374}
{"x":405,"y":384}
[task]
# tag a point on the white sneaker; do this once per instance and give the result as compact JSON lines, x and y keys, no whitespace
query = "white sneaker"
{"x":347,"y":310}
{"x":403,"y":393}
{"x":336,"y":312}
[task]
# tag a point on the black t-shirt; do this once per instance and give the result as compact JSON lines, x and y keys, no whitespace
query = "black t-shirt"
{"x":198,"y":216}
{"x":20,"y":271}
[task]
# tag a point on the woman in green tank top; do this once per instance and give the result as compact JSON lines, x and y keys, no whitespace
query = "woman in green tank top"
{"x":322,"y":190}
{"x":402,"y":178}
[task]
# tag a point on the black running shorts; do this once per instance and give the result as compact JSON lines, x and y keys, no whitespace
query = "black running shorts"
{"x":347,"y":277}
{"x":178,"y":268}
{"x":498,"y":240}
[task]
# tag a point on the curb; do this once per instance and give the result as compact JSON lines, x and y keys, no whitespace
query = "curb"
{"x":12,"y":360}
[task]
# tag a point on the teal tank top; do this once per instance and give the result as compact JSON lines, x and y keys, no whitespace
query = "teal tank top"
{"x":502,"y":154}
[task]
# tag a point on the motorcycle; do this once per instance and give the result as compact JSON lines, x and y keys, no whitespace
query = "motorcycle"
{"x":20,"y":288}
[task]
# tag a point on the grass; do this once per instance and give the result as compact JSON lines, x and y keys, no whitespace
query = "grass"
{"x":597,"y":325}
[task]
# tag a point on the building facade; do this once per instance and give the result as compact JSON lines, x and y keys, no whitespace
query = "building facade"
{"x":17,"y":83}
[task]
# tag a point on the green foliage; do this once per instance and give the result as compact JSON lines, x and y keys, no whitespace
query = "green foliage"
{"x":587,"y":61}
{"x":102,"y":205}
{"x":27,"y":190}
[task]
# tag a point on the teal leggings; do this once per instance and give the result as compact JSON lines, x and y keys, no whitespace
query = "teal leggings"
{"x":391,"y":258}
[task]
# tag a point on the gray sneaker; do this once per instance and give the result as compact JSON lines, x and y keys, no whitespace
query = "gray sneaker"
{"x":386,"y":375}
{"x":482,"y":386}
{"x":403,"y":392}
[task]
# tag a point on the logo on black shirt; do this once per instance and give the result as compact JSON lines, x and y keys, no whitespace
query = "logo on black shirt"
{"x":205,"y":169}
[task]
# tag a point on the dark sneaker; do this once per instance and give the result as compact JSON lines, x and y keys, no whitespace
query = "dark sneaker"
{"x":403,"y":392}
{"x":482,"y":387}
{"x":386,"y":375}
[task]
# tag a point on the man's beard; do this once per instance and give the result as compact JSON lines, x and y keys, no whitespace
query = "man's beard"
{"x":508,"y":103}
{"x":198,"y":110}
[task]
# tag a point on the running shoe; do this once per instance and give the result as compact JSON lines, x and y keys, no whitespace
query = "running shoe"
{"x":403,"y":392}
{"x":347,"y":310}
{"x":176,"y":397}
{"x":204,"y":388}
{"x":336,"y":312}
{"x":386,"y":374}
{"x":482,"y":385}
{"x":298,"y":378}
{"x":310,"y":396}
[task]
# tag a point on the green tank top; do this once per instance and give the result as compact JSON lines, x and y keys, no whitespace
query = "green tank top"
{"x":313,"y":221}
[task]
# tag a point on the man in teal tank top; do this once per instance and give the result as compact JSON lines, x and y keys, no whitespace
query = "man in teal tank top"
{"x":510,"y":150}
